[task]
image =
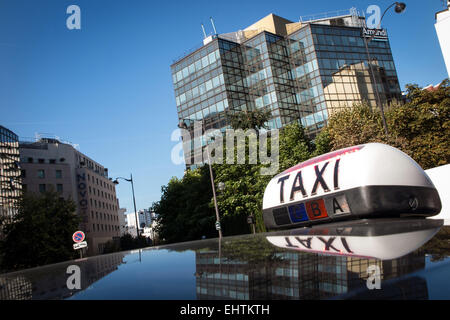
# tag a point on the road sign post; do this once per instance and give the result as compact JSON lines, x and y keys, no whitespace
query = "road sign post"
{"x":78,"y":237}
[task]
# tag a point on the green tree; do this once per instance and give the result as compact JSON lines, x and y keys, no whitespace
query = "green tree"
{"x":356,"y":125}
{"x":242,"y":196}
{"x":295,"y":146}
{"x":420,"y":127}
{"x":40,"y":233}
{"x":322,"y":143}
{"x":184,"y":209}
{"x":424,"y":124}
{"x":126,"y":242}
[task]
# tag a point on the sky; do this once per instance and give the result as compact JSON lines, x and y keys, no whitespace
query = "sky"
{"x":108,"y":88}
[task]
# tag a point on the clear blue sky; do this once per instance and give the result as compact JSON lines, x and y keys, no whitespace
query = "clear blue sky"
{"x":108,"y":87}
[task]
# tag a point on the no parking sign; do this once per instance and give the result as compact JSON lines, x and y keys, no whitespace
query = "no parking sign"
{"x":78,"y":236}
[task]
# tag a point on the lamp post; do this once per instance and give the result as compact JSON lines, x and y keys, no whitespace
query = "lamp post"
{"x":399,"y":8}
{"x":182,"y":125}
{"x":116,"y":181}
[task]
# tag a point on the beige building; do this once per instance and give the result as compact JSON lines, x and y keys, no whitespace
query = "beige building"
{"x":353,"y":84}
{"x":49,"y":164}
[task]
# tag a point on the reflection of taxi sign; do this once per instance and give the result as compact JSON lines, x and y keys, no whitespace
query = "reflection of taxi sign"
{"x":361,"y":181}
{"x":78,"y":236}
{"x":383,"y":239}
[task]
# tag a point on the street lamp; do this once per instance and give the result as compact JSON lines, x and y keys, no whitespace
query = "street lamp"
{"x":399,"y":8}
{"x":182,"y":125}
{"x":116,"y":182}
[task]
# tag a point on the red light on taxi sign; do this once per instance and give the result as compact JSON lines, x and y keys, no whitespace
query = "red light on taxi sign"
{"x":324,"y":157}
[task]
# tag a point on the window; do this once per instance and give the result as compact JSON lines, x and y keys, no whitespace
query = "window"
{"x":41,"y":174}
{"x":42,"y":188}
{"x":41,"y":160}
{"x":30,"y":160}
{"x":58,"y":174}
{"x":59,"y":188}
{"x":52,"y":161}
{"x":23,"y":173}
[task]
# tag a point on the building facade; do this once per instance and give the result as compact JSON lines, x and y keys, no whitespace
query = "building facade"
{"x":300,"y":71}
{"x":50,"y":165}
{"x":145,"y":218}
{"x":123,"y":221}
{"x":10,"y":180}
{"x":131,"y":224}
{"x":443,"y":32}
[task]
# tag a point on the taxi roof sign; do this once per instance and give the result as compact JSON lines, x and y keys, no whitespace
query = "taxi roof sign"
{"x":369,"y":180}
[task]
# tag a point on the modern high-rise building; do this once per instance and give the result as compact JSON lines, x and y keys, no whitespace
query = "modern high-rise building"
{"x":10,"y":181}
{"x":443,"y":32}
{"x":49,"y":164}
{"x":300,"y":71}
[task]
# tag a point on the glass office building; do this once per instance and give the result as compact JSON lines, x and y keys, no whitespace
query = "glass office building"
{"x":300,"y":71}
{"x":10,"y":175}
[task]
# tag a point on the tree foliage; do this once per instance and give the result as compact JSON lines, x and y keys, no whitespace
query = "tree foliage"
{"x":126,"y":242}
{"x":186,"y":209}
{"x":295,"y":146}
{"x":420,"y":127}
{"x":424,"y":123}
{"x":40,"y":233}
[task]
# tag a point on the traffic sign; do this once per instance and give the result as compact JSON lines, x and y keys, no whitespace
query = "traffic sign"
{"x":79,"y":245}
{"x":78,"y":236}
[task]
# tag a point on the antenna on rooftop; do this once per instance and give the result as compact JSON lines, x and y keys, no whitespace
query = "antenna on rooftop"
{"x":204,"y":33}
{"x":214,"y":27}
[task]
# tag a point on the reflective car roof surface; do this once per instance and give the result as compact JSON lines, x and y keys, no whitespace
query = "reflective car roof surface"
{"x":365,"y":259}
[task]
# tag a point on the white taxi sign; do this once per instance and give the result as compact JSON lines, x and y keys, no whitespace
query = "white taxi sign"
{"x":385,"y":239}
{"x":370,"y":179}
